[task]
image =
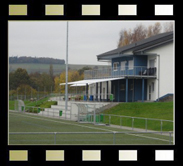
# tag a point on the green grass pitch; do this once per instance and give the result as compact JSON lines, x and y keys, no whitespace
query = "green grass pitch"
{"x":20,"y":122}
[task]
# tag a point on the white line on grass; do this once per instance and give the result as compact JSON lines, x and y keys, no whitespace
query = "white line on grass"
{"x":64,"y":122}
{"x":90,"y":127}
{"x":149,"y":137}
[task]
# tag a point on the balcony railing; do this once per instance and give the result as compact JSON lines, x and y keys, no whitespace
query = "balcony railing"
{"x":111,"y":72}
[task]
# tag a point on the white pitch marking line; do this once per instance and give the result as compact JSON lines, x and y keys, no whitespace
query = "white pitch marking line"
{"x":92,"y":127}
{"x":149,"y":137}
{"x":66,"y":123}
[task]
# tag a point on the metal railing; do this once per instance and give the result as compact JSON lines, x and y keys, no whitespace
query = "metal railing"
{"x":88,"y":115}
{"x":113,"y":72}
{"x":136,"y":122}
{"x":48,"y":112}
{"x":113,"y":137}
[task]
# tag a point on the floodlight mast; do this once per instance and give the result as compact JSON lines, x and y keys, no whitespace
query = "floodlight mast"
{"x":66,"y":75}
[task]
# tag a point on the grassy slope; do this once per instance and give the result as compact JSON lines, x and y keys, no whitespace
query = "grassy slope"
{"x":161,"y":110}
{"x":43,"y":103}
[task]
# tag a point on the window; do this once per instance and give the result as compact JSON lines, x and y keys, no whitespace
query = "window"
{"x":123,"y":64}
{"x":130,"y":64}
{"x":115,"y":66}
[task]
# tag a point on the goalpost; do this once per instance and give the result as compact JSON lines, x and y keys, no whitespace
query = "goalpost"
{"x":19,"y":105}
{"x":87,"y":113}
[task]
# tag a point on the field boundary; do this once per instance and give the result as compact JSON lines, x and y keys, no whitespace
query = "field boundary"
{"x":109,"y":131}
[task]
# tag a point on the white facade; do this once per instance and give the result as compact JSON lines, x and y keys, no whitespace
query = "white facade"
{"x":164,"y":62}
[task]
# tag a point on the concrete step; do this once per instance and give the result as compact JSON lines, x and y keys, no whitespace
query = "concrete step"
{"x":63,"y":103}
{"x":61,"y":107}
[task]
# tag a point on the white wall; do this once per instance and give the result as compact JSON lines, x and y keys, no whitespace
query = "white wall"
{"x":165,"y":75}
{"x":92,"y":89}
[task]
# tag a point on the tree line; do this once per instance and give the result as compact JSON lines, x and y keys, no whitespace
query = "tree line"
{"x":20,"y":82}
{"x":43,"y":60}
{"x":141,"y":32}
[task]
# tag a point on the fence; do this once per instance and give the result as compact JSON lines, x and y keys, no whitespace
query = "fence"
{"x":112,"y":72}
{"x":134,"y":122}
{"x":91,"y":137}
{"x":49,"y":112}
{"x":90,"y":113}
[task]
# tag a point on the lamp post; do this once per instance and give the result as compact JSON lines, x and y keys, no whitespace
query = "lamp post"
{"x":66,"y":81}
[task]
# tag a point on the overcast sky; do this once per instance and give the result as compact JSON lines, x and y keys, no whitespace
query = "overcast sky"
{"x":48,"y":39}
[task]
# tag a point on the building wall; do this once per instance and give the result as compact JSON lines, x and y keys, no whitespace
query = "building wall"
{"x":134,"y":90}
{"x":165,"y":75}
{"x":140,"y":60}
{"x":121,"y":59}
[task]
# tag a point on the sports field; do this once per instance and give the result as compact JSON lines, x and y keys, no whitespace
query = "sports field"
{"x":38,"y":130}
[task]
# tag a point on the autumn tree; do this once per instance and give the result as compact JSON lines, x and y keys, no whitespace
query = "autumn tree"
{"x":72,"y":76}
{"x":26,"y":90}
{"x":168,"y":26}
{"x":140,"y":32}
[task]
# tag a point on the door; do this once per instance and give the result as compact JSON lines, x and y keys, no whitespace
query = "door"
{"x":149,"y":92}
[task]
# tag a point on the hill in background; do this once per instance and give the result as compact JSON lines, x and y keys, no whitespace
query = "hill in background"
{"x":42,"y":60}
{"x":57,"y":68}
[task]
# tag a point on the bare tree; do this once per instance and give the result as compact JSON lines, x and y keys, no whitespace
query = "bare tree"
{"x":168,"y":26}
{"x":140,"y":32}
{"x":156,"y":28}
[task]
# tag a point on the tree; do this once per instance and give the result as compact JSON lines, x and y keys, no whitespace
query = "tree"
{"x":140,"y":32}
{"x":46,"y":82}
{"x":156,"y":28}
{"x":72,"y":76}
{"x":168,"y":26}
{"x":26,"y":89}
{"x":17,"y":78}
{"x":51,"y":72}
{"x":81,"y":71}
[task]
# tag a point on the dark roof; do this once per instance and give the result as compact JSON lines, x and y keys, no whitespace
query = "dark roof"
{"x":142,"y":44}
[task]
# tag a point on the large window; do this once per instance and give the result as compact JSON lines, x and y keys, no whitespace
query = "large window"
{"x":130,"y":64}
{"x":123,"y":64}
{"x":115,"y":66}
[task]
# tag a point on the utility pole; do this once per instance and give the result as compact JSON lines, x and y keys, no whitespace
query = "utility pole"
{"x":66,"y":85}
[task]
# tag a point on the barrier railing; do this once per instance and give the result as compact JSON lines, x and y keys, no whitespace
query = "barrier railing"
{"x":112,"y":72}
{"x":90,"y":138}
{"x":136,"y":122}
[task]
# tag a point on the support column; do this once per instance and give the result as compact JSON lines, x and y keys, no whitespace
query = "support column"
{"x":100,"y":91}
{"x":86,"y":91}
{"x":97,"y":91}
{"x":118,"y":90}
{"x":126,"y":89}
{"x":142,"y":89}
{"x":107,"y":91}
